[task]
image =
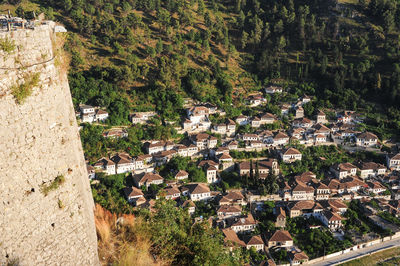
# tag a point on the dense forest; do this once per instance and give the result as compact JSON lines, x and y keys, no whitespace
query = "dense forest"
{"x":149,"y":55}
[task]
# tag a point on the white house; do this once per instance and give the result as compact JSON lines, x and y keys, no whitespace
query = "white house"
{"x":331,"y":220}
{"x":211,"y":174}
{"x":105,"y":165}
{"x":321,"y":117}
{"x":197,"y":192}
{"x":255,"y":242}
{"x":281,"y":238}
{"x":368,"y":169}
{"x":366,"y":139}
{"x":244,"y":224}
{"x":242,"y":120}
{"x":290,"y":155}
{"x":133,"y":194}
{"x":343,"y":170}
{"x":123,"y":162}
{"x":273,"y":89}
{"x":101,"y":115}
{"x":393,"y":161}
{"x":204,"y":141}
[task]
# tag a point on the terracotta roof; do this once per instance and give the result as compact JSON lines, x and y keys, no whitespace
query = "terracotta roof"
{"x":306,"y":176}
{"x":101,"y":112}
{"x":344,"y":166}
{"x":245,"y":221}
{"x":263,"y":164}
{"x":281,"y":135}
{"x":181,"y":173}
{"x":302,"y":187}
{"x":143,"y":157}
{"x":291,"y":151}
{"x":132,"y":192}
{"x":321,"y":128}
{"x":267,"y":116}
{"x":230,"y":122}
{"x":234,"y":195}
{"x":211,"y":168}
{"x":224,"y":156}
{"x":197,"y":188}
{"x":367,"y":136}
{"x":146,"y":177}
{"x":233,"y":143}
{"x":331,"y":216}
{"x":374,"y":185}
{"x":188,"y":203}
{"x":104,"y":161}
{"x":301,"y":205}
{"x":230,"y":208}
{"x":337,"y":203}
{"x":281,"y":214}
{"x":250,"y":136}
{"x":321,"y":186}
{"x":298,"y":256}
{"x":200,"y":136}
{"x":121,"y":159}
{"x":281,"y":235}
{"x":164,"y":153}
{"x":395,"y":157}
{"x":255,"y":240}
{"x":231,"y":237}
{"x":171,"y":191}
{"x":207,"y":162}
{"x":370,"y":165}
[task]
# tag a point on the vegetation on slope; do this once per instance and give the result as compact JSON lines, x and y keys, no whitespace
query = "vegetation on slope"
{"x":165,"y":237}
{"x":147,"y":55}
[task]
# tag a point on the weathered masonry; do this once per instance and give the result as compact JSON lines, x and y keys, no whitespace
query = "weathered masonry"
{"x":46,"y":206}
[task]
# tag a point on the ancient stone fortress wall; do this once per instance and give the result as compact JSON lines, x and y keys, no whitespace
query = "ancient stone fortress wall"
{"x":46,"y":206}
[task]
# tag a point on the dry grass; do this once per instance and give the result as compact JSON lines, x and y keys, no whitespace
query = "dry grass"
{"x":123,"y":240}
{"x":61,"y":58}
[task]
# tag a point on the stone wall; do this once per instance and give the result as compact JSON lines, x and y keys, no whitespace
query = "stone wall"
{"x":39,"y":140}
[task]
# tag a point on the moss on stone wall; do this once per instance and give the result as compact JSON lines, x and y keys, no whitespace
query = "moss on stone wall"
{"x":7,"y":45}
{"x":25,"y":89}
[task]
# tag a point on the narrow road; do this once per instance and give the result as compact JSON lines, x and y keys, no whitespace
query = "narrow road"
{"x":357,"y":253}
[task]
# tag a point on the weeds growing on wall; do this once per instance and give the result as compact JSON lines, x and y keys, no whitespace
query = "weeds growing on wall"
{"x":25,"y":89}
{"x":7,"y":45}
{"x":55,"y":184}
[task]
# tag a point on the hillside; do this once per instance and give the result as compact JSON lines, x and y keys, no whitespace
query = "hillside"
{"x":144,"y":55}
{"x":200,"y":63}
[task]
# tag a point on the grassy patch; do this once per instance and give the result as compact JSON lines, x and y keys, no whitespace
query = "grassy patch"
{"x":55,"y":184}
{"x":375,"y":258}
{"x":7,"y":45}
{"x":60,"y":204}
{"x":24,"y":90}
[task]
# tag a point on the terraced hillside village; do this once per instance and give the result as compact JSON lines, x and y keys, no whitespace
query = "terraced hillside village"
{"x":235,"y":131}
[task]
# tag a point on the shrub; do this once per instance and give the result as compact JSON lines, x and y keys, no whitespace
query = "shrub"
{"x":55,"y":184}
{"x":7,"y":45}
{"x":24,"y":90}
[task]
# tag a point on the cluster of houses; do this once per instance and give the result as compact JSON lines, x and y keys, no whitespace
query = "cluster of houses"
{"x":300,"y":195}
{"x":303,"y":130}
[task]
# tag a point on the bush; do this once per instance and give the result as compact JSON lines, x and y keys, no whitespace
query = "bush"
{"x":24,"y":90}
{"x":55,"y":184}
{"x":7,"y":45}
